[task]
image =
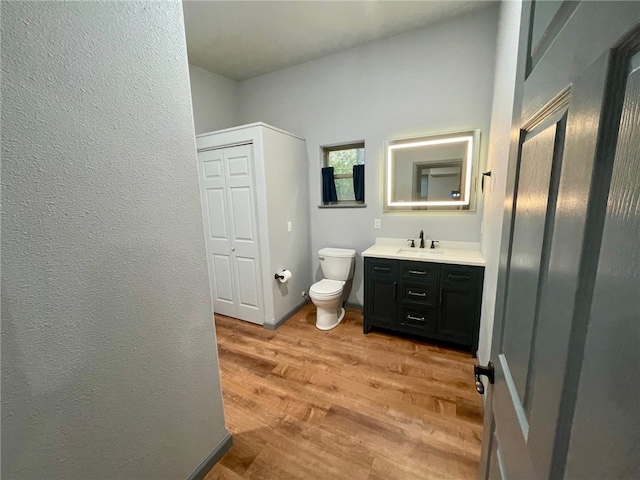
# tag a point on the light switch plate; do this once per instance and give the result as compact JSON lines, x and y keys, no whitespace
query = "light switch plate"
{"x":288,"y":226}
{"x":376,"y":224}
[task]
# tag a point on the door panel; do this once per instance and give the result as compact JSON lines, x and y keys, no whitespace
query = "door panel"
{"x":216,"y":206}
{"x":605,"y":438}
{"x":238,"y":164}
{"x":549,"y":16}
{"x":551,"y":258}
{"x":231,"y":229}
{"x":543,"y":15}
{"x":382,"y":299}
{"x":457,"y":302}
{"x":213,"y":168}
{"x":455,"y":306}
{"x":242,"y":211}
{"x":242,"y":215}
{"x":223,"y":281}
{"x":218,"y":242}
{"x":530,"y":218}
{"x":247,"y":282}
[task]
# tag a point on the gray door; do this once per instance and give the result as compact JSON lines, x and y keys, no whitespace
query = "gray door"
{"x":566,"y":340}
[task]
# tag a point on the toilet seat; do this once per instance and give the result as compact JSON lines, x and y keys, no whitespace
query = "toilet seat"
{"x":325,"y":289}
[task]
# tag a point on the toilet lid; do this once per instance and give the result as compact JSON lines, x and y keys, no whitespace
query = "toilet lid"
{"x":326,"y":287}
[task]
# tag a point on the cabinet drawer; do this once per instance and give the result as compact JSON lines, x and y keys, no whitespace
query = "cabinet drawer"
{"x":413,"y":292}
{"x":417,"y":320}
{"x":381,"y":268}
{"x":458,"y":275}
{"x":419,"y":271}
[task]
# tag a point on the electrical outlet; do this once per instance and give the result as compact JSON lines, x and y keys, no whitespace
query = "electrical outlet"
{"x":288,"y":226}
{"x":376,"y":224}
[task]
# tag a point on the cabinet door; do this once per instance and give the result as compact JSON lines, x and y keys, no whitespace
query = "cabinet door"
{"x":459,"y":288}
{"x":381,"y":291}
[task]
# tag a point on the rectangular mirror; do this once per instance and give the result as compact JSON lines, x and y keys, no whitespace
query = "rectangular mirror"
{"x":435,"y":172}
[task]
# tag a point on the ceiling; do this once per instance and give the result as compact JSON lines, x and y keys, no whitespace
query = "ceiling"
{"x":245,"y":39}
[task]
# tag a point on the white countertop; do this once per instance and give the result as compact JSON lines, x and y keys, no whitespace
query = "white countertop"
{"x":458,"y":253}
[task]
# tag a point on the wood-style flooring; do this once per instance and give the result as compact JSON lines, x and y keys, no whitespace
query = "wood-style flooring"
{"x":306,"y":404}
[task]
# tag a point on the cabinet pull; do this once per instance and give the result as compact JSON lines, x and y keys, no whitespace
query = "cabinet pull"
{"x":423,"y":294}
{"x":395,"y":289}
{"x":381,"y":269}
{"x":417,"y":272}
{"x":454,"y":277}
{"x":440,"y":300}
{"x":417,"y":319}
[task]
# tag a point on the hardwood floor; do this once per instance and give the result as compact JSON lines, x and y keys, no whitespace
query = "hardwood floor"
{"x":307,"y":404}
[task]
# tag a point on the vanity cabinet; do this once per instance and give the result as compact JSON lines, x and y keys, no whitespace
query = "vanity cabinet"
{"x":382,"y":289}
{"x":436,"y":301}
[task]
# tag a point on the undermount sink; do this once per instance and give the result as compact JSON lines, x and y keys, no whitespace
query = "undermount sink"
{"x":421,"y":252}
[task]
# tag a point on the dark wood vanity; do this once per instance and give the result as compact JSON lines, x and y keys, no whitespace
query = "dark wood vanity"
{"x":435,"y":301}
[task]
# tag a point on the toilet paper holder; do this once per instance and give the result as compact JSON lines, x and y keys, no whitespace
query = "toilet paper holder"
{"x":283,"y":277}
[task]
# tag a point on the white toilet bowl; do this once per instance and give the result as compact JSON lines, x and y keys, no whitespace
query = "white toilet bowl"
{"x":337,"y":267}
{"x":326,"y":295}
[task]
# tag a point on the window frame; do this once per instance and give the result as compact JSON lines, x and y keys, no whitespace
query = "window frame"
{"x":337,"y":176}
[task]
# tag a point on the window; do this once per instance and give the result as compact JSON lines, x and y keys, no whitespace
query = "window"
{"x":343,"y":185}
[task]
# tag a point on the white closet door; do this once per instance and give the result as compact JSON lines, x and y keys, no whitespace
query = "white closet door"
{"x":228,"y":199}
{"x":244,"y":232}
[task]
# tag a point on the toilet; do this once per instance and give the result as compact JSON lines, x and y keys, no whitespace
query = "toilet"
{"x":337,"y":267}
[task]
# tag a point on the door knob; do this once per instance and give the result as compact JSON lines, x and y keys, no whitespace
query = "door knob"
{"x":487,"y":371}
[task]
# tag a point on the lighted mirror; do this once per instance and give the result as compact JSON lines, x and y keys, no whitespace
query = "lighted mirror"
{"x":435,"y":172}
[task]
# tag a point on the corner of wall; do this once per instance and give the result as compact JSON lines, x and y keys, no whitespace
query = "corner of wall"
{"x":214,"y":99}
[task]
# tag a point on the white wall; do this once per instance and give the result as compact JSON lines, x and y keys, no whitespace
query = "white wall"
{"x":214,"y":99}
{"x":433,"y":80}
{"x":109,"y":363}
{"x":286,"y":172}
{"x":502,"y":112}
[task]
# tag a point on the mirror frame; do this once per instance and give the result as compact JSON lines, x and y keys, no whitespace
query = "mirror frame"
{"x":471,"y":137}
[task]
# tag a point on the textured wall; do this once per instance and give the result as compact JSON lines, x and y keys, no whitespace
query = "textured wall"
{"x":498,"y":162}
{"x":433,"y":80}
{"x":215,"y":100}
{"x":109,"y":366}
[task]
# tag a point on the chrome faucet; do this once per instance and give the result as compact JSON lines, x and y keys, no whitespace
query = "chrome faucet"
{"x":421,"y":239}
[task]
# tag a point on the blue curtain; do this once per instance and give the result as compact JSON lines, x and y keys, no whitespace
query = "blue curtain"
{"x":329,"y":193}
{"x":358,"y":182}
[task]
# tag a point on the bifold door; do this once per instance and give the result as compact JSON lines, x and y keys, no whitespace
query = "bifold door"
{"x":229,"y":209}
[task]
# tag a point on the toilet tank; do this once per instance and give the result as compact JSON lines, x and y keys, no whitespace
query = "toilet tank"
{"x":337,"y":263}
